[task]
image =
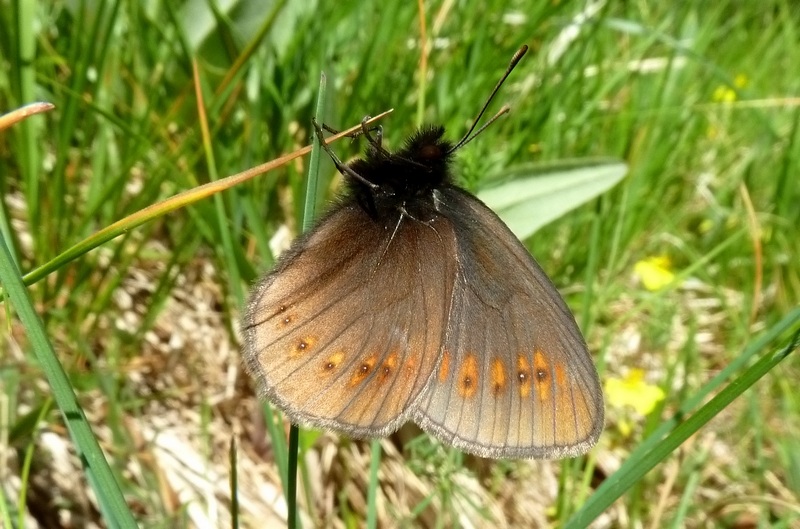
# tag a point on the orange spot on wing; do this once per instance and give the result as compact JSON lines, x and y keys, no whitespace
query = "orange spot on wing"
{"x":444,"y":367}
{"x":561,"y":375}
{"x":498,"y":376}
{"x":541,"y":372}
{"x":539,"y":362}
{"x":388,"y":367}
{"x":303,"y":346}
{"x":411,"y":367}
{"x":468,"y":377}
{"x":524,"y":377}
{"x":363,"y":369}
{"x":543,"y":390}
{"x":333,"y":361}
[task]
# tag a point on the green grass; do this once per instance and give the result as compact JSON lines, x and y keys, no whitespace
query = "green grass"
{"x":699,"y":99}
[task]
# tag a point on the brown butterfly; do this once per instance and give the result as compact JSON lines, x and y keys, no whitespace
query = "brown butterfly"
{"x":410,"y":300}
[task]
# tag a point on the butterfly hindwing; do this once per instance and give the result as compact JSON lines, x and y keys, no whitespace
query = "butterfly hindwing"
{"x":346,"y":330}
{"x":515,"y":379}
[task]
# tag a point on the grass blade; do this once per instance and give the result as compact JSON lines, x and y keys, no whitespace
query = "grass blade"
{"x":98,"y":472}
{"x":644,"y":459}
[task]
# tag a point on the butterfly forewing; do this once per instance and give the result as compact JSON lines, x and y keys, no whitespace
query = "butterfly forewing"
{"x":346,"y":331}
{"x":515,"y":379}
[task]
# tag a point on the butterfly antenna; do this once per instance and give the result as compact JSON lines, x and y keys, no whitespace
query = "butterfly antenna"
{"x":469,"y":136}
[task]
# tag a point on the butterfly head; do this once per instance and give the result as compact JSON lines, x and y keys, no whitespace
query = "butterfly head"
{"x":427,"y":150}
{"x":404,"y":179}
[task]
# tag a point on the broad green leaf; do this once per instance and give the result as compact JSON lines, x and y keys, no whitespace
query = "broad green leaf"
{"x":529,"y":196}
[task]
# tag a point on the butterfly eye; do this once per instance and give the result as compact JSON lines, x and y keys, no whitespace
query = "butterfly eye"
{"x":430,"y":153}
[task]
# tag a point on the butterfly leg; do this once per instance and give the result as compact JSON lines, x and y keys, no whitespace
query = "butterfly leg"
{"x":375,"y":141}
{"x":353,"y":135}
{"x":340,"y":166}
{"x":331,"y":129}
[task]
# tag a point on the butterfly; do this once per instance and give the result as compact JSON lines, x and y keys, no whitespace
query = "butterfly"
{"x":410,"y":300}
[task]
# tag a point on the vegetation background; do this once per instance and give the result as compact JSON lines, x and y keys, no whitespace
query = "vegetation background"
{"x":685,"y":271}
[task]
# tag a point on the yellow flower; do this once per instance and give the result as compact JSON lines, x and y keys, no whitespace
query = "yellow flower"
{"x":625,"y":427}
{"x":633,"y":391}
{"x":724,"y":94}
{"x":654,"y":272}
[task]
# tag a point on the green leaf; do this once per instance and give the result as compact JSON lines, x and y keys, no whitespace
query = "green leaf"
{"x":529,"y":196}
